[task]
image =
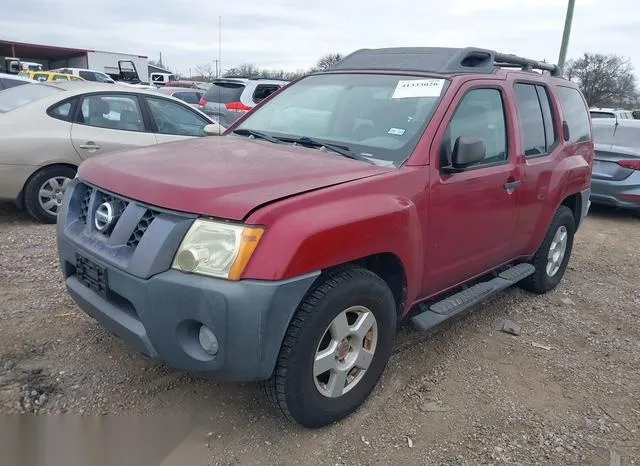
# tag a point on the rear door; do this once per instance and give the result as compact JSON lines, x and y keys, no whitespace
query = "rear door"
{"x":472,"y":213}
{"x":109,"y":122}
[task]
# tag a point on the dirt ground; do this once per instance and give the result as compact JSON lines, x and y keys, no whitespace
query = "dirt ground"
{"x":565,"y":391}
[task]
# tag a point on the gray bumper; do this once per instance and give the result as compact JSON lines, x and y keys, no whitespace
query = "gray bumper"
{"x":129,"y":288}
{"x":161,"y":316}
{"x":624,"y":193}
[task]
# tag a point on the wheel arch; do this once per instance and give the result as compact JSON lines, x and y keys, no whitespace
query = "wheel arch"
{"x":20,"y":199}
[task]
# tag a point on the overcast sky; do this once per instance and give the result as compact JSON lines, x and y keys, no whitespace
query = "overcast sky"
{"x":292,"y":34}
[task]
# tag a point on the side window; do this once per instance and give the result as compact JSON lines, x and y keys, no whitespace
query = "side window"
{"x":480,"y":114}
{"x":575,"y":113}
{"x":530,"y":119}
{"x":40,"y":77}
{"x":87,"y":75}
{"x":112,"y":111}
{"x":62,"y":111}
{"x":174,"y":118}
{"x":60,"y":77}
{"x":263,"y":91}
{"x":102,"y":78}
{"x":190,"y":97}
{"x":547,"y":116}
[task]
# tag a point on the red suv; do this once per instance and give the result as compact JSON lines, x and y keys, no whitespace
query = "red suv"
{"x":406,"y":183}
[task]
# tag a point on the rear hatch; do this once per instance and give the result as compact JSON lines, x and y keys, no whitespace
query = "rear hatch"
{"x":222,"y":101}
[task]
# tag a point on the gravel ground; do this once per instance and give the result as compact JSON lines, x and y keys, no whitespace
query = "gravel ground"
{"x":566,"y":390}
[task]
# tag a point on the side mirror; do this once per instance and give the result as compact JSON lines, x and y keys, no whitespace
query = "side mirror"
{"x":467,"y":151}
{"x":213,"y":129}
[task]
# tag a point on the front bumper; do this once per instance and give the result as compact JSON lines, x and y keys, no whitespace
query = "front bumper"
{"x":160,"y":313}
{"x":624,"y":193}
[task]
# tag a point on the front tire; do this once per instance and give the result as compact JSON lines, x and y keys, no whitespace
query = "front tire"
{"x":335,"y":349}
{"x":43,"y":192}
{"x":552,"y":258}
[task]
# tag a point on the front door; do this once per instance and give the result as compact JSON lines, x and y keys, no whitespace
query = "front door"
{"x":107,"y":123}
{"x":472,"y":213}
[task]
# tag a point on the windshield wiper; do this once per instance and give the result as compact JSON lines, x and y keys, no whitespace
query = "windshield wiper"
{"x":256,"y":134}
{"x":342,"y":150}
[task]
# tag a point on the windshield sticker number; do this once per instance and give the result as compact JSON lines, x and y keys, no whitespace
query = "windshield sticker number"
{"x":418,"y":88}
{"x":396,"y":131}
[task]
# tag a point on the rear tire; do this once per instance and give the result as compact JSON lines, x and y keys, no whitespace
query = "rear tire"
{"x":36,"y":192}
{"x":299,"y":388}
{"x":549,"y":272}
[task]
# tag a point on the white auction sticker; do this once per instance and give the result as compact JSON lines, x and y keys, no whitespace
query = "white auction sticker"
{"x":418,"y":88}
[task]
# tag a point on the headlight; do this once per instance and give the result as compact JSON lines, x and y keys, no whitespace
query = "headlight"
{"x":217,"y":249}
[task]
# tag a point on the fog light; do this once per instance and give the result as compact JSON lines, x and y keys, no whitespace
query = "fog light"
{"x":208,"y":340}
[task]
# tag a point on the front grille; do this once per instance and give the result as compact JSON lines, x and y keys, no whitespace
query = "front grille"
{"x":119,"y":205}
{"x":148,"y":217}
{"x":84,"y":205}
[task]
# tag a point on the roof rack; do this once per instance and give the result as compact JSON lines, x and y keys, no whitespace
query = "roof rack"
{"x":440,"y":60}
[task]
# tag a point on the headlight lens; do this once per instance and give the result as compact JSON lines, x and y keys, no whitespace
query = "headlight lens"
{"x":217,"y":249}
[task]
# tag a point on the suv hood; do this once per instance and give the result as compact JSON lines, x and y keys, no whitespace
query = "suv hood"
{"x":225,"y":177}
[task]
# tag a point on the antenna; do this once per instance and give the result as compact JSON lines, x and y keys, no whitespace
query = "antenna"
{"x":219,"y":65}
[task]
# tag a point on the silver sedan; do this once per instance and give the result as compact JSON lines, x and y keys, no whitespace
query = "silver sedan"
{"x":616,"y":171}
{"x":47,"y":130}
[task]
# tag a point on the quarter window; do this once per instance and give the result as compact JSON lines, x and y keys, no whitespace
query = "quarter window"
{"x":62,"y":111}
{"x":575,"y":114}
{"x":480,"y":114}
{"x":547,"y":116}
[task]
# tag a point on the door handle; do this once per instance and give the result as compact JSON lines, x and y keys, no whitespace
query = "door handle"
{"x":511,"y":185}
{"x":90,"y":145}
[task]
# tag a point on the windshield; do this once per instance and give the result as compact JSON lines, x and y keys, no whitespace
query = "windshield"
{"x":15,"y":97}
{"x":380,"y":117}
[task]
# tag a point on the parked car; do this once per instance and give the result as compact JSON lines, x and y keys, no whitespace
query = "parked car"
{"x":47,"y":130}
{"x":87,"y":75}
{"x":611,"y":113}
{"x":229,"y":98}
{"x":616,"y":170}
{"x":44,"y":76}
{"x":403,"y":183}
{"x":190,"y":96}
{"x":12,"y":80}
{"x":184,"y":83}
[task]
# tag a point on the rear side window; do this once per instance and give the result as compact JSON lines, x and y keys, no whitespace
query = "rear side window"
{"x":530,"y":119}
{"x":224,"y":92}
{"x":263,"y":91}
{"x":575,"y":114}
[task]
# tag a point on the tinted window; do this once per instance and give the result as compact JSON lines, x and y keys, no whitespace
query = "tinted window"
{"x":173,"y":118}
{"x":224,"y":92}
{"x":602,"y":115}
{"x":547,"y":116}
{"x":102,"y":78}
{"x":88,"y":75}
{"x":480,"y":114}
{"x":263,"y":91}
{"x":188,"y":97}
{"x":62,"y":111}
{"x":112,"y":111}
{"x":22,"y":95}
{"x":530,"y":119}
{"x":575,"y":114}
{"x":377,"y":116}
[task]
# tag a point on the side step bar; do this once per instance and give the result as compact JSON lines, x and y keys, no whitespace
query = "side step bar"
{"x":448,"y":307}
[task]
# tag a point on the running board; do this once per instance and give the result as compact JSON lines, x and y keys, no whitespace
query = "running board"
{"x":448,"y":307}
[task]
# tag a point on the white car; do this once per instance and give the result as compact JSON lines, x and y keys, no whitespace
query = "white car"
{"x":88,"y":75}
{"x":47,"y":130}
{"x":611,"y":113}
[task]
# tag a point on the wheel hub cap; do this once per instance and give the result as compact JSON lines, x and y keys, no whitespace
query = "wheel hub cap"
{"x":51,"y":193}
{"x":557,"y":251}
{"x":345,"y":351}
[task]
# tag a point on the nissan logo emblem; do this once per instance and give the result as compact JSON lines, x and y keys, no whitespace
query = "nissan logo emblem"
{"x":105,"y":215}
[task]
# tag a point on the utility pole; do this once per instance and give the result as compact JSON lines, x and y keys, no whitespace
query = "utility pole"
{"x":566,"y":34}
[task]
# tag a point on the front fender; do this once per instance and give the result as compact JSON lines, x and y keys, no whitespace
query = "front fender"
{"x":328,"y":234}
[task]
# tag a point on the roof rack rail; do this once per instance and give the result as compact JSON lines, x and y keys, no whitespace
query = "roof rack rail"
{"x":440,"y":60}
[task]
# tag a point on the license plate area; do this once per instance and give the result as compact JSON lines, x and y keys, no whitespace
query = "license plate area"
{"x":92,"y":275}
